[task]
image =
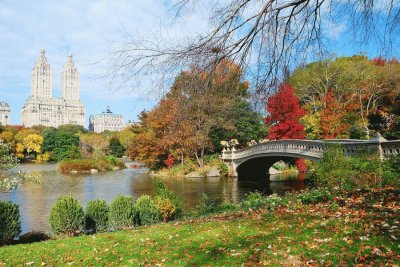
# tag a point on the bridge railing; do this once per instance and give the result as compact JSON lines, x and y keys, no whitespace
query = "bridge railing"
{"x":391,"y":148}
{"x":315,"y":148}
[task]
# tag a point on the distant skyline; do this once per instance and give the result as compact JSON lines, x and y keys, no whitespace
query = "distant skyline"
{"x":89,"y":30}
{"x":86,"y":29}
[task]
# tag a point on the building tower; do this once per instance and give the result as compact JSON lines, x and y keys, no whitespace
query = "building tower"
{"x":4,"y":113}
{"x":42,"y":109}
{"x":41,"y":78}
{"x":70,"y":81}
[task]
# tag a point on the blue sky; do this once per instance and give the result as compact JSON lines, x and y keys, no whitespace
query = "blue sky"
{"x":88,"y":29}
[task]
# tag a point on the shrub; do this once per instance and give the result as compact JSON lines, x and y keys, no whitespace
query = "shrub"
{"x":223,"y":169}
{"x":66,"y":216}
{"x":96,"y":216}
{"x":147,"y":212}
{"x":391,"y":171}
{"x":10,"y":225}
{"x":274,"y":201}
{"x":166,"y":196}
{"x":315,"y":196}
{"x":122,"y":212}
{"x":207,"y":204}
{"x":80,"y":165}
{"x":166,"y":207}
{"x":368,"y":170}
{"x":334,"y":169}
{"x":253,"y":200}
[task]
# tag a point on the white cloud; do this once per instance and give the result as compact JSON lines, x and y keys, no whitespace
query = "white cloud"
{"x":84,"y":28}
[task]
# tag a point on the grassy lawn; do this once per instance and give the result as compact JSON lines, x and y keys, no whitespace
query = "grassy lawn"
{"x":355,"y":230}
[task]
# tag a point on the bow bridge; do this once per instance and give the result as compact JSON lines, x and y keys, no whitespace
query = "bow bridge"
{"x":256,"y":160}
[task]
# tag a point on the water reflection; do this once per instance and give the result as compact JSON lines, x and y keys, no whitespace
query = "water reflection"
{"x":36,"y":200}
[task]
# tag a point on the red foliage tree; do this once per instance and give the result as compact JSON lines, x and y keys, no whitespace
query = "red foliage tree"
{"x":332,"y":118}
{"x":169,"y":162}
{"x":379,"y":61}
{"x":284,"y":116}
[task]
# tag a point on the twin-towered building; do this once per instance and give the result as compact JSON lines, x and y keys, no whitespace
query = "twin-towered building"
{"x":41,"y":108}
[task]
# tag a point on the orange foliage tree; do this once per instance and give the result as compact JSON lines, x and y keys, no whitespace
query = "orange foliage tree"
{"x":333,"y":124}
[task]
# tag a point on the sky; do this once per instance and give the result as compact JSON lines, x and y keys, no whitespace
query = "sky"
{"x":89,"y":30}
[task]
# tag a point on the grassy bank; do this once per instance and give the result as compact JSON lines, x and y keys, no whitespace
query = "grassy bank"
{"x":361,"y":227}
{"x":213,"y":166}
{"x":86,"y":165}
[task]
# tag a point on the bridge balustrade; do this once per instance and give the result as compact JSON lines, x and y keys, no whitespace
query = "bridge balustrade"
{"x":314,"y":148}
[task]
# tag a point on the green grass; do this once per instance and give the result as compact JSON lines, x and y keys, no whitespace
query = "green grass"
{"x":360,"y":231}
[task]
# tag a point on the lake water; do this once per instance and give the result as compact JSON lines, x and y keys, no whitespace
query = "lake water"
{"x":35,"y":200}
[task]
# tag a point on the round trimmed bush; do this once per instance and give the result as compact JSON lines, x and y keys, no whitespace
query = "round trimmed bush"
{"x":10,"y":225}
{"x":66,"y":216}
{"x":96,"y":216}
{"x":122,"y":212}
{"x":147,"y":211}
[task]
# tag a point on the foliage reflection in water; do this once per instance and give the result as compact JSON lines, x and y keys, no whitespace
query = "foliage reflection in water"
{"x":36,"y":200}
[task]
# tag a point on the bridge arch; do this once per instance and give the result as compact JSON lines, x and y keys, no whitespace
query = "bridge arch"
{"x":257,"y":166}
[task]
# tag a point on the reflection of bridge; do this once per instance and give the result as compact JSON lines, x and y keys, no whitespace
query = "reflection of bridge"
{"x":256,"y":160}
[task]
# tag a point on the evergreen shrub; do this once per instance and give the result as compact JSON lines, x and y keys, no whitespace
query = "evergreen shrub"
{"x":10,"y":225}
{"x":96,"y":216}
{"x":66,"y":216}
{"x":147,"y":212}
{"x":122,"y":212}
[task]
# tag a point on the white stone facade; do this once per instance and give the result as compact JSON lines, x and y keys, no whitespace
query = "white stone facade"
{"x":106,"y":121}
{"x":42,"y":109}
{"x":4,"y":113}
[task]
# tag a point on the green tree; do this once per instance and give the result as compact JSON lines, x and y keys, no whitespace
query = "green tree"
{"x":247,"y":125}
{"x":72,"y":128}
{"x":116,"y":148}
{"x":59,"y":143}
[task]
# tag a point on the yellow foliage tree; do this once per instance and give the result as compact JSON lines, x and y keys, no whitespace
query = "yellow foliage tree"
{"x":19,"y":150}
{"x":32,"y":143}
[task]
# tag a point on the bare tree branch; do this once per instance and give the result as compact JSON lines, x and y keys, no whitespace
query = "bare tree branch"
{"x":263,"y":36}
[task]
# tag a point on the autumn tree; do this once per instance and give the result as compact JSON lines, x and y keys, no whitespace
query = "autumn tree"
{"x":284,"y":114}
{"x":361,"y":88}
{"x":93,"y":145}
{"x":183,"y":123}
{"x":333,"y":124}
{"x":32,"y":143}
